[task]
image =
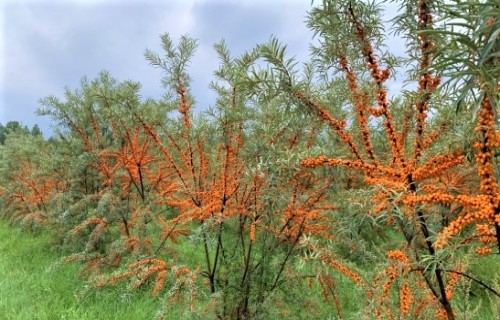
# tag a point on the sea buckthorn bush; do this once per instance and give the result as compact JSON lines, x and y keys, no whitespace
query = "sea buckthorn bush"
{"x":298,"y":189}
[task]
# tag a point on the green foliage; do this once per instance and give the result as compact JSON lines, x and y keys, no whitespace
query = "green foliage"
{"x":14,"y":127}
{"x":217,"y":213}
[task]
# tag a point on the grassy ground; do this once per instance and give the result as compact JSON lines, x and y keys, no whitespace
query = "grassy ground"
{"x":31,"y":288}
{"x":34,"y":286}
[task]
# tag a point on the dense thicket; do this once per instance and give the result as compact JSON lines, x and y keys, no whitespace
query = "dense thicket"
{"x":295,"y":180}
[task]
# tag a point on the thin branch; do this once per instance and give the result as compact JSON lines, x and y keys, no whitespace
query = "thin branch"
{"x":478,"y":281}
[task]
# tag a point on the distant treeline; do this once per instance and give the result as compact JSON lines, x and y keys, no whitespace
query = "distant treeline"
{"x":15,"y":126}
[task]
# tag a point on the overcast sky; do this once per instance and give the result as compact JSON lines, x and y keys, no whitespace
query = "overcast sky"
{"x":46,"y":45}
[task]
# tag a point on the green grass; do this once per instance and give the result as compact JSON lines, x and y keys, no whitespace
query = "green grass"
{"x":32,"y":288}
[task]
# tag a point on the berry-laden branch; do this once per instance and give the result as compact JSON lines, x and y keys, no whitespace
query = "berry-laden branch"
{"x":408,"y":176}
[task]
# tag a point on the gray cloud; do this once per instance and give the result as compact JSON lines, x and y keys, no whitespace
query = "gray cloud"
{"x":243,"y":25}
{"x":48,"y":45}
{"x":51,"y":45}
